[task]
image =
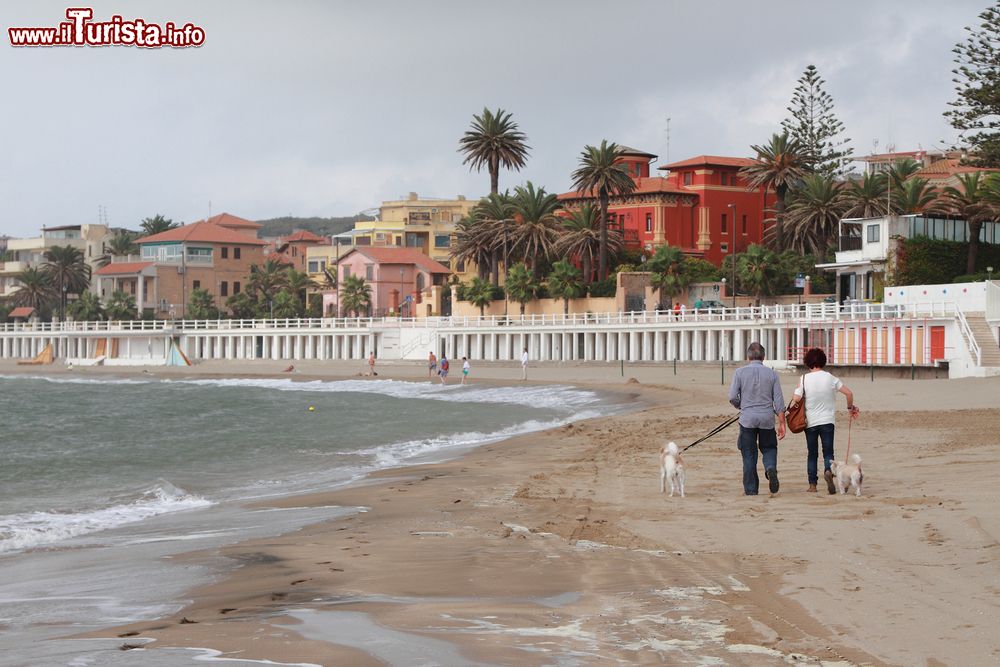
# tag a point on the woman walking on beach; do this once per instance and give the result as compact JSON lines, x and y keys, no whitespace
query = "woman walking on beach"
{"x":465,"y":369}
{"x":820,"y":389}
{"x":432,"y":364}
{"x":443,"y":372}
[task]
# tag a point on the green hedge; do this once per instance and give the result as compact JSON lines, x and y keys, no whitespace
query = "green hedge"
{"x":924,"y":261}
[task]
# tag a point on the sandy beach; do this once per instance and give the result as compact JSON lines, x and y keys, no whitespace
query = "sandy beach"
{"x":557,"y":547}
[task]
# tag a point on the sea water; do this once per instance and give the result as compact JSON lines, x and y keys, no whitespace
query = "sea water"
{"x":102,"y":481}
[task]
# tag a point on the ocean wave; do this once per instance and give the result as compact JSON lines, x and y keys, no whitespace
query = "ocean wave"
{"x":34,"y":529}
{"x":559,"y":397}
{"x":75,"y":380}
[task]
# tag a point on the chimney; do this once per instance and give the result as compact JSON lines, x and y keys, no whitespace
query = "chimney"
{"x":413,"y":196}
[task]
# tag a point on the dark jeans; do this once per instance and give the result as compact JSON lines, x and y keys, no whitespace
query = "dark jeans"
{"x":814,"y":434}
{"x":750,"y":439}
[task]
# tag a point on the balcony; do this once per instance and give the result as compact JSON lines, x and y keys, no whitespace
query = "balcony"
{"x":13,"y":267}
{"x":849,"y":243}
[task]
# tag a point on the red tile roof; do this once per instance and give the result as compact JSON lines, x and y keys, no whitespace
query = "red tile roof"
{"x":23,"y":311}
{"x":204,"y":232}
{"x":304,"y":236}
{"x":279,"y":258}
{"x":946,"y":168}
{"x":710,"y":160}
{"x":228,"y":220}
{"x":122,"y":268}
{"x":401,"y":256}
{"x":648,"y":185}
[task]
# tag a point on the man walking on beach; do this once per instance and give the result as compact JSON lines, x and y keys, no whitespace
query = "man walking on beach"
{"x":756,"y":393}
{"x":524,"y":364}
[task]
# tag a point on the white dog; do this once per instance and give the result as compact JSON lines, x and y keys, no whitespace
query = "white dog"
{"x":671,"y":468}
{"x":848,"y":474}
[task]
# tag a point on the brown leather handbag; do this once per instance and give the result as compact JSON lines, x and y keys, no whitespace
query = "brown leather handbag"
{"x":795,"y":415}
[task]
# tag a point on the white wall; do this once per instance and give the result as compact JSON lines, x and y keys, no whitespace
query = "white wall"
{"x":968,"y":296}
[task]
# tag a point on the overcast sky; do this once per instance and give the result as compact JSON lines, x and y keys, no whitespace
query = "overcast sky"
{"x":328,"y":108}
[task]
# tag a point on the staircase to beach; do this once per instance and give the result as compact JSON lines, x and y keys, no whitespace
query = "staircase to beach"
{"x":984,"y":338}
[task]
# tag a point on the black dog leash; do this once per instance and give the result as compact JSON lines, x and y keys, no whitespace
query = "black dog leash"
{"x":718,"y":429}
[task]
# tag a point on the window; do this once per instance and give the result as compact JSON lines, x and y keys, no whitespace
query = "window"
{"x":649,"y":222}
{"x":317,"y":265}
{"x":687,"y":178}
{"x":236,"y":287}
{"x":744,"y":225}
{"x":873,"y":233}
{"x":197,"y":284}
{"x":225,"y":253}
{"x":724,"y":226}
{"x":224,"y":289}
{"x":460,"y":267}
{"x":369,"y":272}
{"x":199,"y":255}
{"x":442,"y":241}
{"x":236,"y":253}
{"x":399,"y":240}
{"x":162,"y":253}
{"x":420,"y":282}
{"x":724,"y":247}
{"x":347,"y":272}
{"x":621,"y":221}
{"x":363,"y":240}
{"x":732,"y":179}
{"x":724,"y":178}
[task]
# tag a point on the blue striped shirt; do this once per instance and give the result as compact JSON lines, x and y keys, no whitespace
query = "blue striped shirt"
{"x":756,"y":393}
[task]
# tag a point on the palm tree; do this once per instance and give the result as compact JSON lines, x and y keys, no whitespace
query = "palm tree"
{"x":758,"y":268}
{"x":971,"y":201}
{"x":287,"y":305}
{"x":242,"y":306}
{"x":901,"y":170}
{"x":35,"y":289}
{"x":668,"y":267}
{"x":87,"y":308}
{"x":814,"y":214}
{"x":914,"y":195}
{"x":297,"y":283}
{"x":121,"y":306}
{"x":267,"y":280}
{"x":866,"y":198}
{"x":521,"y":286}
{"x":480,"y":294}
{"x":473,"y":244}
{"x":68,"y":272}
{"x":536,"y":227}
{"x":601,"y":172}
{"x":156,"y":225}
{"x":329,"y":283}
{"x":581,"y":239}
{"x":564,"y":283}
{"x":493,"y":141}
{"x":780,"y":164}
{"x":201,"y":305}
{"x":495,"y":214}
{"x":355,"y":295}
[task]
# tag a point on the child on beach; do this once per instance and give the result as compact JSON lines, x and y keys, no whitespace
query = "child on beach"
{"x":443,"y":372}
{"x":465,"y":369}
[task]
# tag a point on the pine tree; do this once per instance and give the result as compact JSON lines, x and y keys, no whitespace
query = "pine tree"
{"x":976,"y":109}
{"x":814,"y":125}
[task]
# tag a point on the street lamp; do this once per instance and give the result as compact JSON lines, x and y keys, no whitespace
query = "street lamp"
{"x":399,"y":306}
{"x":989,"y":273}
{"x":732,"y":252}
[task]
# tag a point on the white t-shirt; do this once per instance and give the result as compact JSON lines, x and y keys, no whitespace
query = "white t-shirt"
{"x":524,"y":359}
{"x":821,"y":397}
{"x":466,"y":367}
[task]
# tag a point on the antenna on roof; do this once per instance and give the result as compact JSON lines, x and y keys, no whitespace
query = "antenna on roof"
{"x":668,"y":139}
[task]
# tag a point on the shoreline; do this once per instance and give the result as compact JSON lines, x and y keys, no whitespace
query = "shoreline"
{"x":568,"y":540}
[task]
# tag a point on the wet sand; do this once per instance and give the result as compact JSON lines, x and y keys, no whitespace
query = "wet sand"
{"x":557,"y":547}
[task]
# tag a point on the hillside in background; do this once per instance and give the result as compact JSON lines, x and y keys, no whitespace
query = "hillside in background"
{"x":322,"y":226}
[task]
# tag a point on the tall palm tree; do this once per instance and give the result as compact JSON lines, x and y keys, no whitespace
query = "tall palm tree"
{"x":975,"y":201}
{"x":581,"y":239}
{"x":780,"y":164}
{"x":813,"y":215}
{"x":758,"y":270}
{"x":601,"y":173}
{"x":901,"y":170}
{"x":87,"y":308}
{"x":156,"y":225}
{"x":121,"y":306}
{"x":35,"y":289}
{"x":493,"y":141}
{"x":68,"y":271}
{"x":473,"y":244}
{"x":668,"y":268}
{"x":536,"y":226}
{"x":866,"y":198}
{"x":355,"y":295}
{"x":480,"y":294}
{"x":914,"y":195}
{"x":495,"y":213}
{"x":267,"y":280}
{"x":564,"y":283}
{"x":298,"y":283}
{"x":521,"y":286}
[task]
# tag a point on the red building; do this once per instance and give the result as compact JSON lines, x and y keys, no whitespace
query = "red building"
{"x":701,"y":205}
{"x":291,"y":250}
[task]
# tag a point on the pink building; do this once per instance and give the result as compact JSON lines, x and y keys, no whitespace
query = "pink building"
{"x":402,"y":280}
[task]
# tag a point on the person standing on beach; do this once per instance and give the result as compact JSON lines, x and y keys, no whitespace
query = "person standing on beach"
{"x":443,"y":371}
{"x":465,"y":369}
{"x":371,"y":364}
{"x":524,"y":364}
{"x":756,"y":393}
{"x":432,"y":364}
{"x":821,"y":391}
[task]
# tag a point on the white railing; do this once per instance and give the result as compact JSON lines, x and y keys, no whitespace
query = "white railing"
{"x":974,"y":348}
{"x":790,"y":312}
{"x":992,"y":300}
